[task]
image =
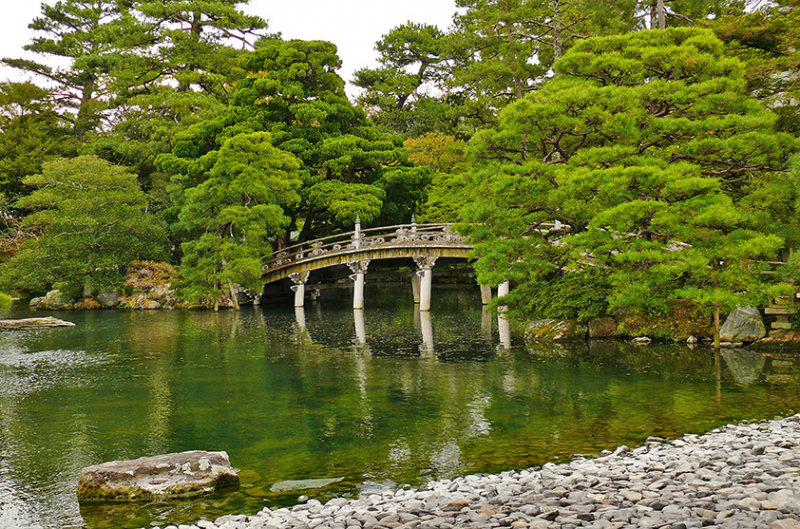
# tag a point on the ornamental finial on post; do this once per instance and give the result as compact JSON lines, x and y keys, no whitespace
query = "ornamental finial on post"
{"x":357,"y":234}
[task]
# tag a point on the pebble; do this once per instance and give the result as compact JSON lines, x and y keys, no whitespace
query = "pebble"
{"x":745,"y":475}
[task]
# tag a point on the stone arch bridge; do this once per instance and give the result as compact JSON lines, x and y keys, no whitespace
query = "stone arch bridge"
{"x":424,"y":243}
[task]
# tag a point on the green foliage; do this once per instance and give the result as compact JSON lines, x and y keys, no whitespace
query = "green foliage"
{"x":447,"y":193}
{"x":236,"y":213}
{"x":5,"y":302}
{"x":398,"y":92}
{"x":347,"y":167}
{"x":766,"y":41}
{"x":31,"y":132}
{"x":578,"y":295}
{"x":91,"y":220}
{"x":89,"y":35}
{"x":650,"y":154}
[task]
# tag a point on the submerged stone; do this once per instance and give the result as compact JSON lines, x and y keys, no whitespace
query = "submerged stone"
{"x":303,"y":484}
{"x":183,"y":474}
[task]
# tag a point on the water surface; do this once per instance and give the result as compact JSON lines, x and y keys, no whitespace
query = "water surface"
{"x":381,"y":399}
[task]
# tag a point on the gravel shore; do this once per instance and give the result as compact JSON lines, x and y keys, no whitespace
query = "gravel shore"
{"x":739,"y":476}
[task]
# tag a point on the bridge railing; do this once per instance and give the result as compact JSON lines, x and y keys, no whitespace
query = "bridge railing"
{"x":401,"y":234}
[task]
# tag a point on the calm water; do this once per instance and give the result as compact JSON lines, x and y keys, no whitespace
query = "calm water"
{"x":382,"y":401}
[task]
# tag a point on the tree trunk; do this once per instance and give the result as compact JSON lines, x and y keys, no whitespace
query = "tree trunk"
{"x":510,"y":39}
{"x":558,"y":39}
{"x":232,"y":290}
{"x":84,"y":119}
{"x":662,"y":14}
{"x":307,"y":224}
{"x":216,"y":298}
{"x":716,"y":326}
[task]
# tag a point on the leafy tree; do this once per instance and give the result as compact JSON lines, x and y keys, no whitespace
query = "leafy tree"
{"x":91,"y":222}
{"x":31,"y":132}
{"x":404,"y":93}
{"x":348,"y":168}
{"x":190,"y":42}
{"x":237,"y":210}
{"x":652,"y":160}
{"x":85,"y":34}
{"x":766,"y":41}
{"x":447,"y":193}
{"x":177,"y":69}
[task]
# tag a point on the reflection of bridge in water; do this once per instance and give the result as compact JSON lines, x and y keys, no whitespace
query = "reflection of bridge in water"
{"x":422,"y":323}
{"x":424,"y":243}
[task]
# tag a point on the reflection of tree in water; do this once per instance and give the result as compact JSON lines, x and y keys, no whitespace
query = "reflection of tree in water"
{"x":745,"y":366}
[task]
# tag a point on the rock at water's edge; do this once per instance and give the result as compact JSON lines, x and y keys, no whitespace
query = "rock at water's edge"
{"x":555,"y":331}
{"x":53,"y":300}
{"x":182,"y":474}
{"x":33,"y":323}
{"x":602,"y":328}
{"x":744,"y":324}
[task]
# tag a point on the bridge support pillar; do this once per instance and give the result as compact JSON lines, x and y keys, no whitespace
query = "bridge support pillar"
{"x":359,"y":269}
{"x":486,"y":294}
{"x":502,"y":290}
{"x":425,"y":273}
{"x":299,"y":279}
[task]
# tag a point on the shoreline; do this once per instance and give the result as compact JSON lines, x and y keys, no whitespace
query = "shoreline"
{"x":740,"y":475}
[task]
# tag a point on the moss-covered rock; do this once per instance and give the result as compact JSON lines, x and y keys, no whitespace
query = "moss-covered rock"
{"x":555,"y":331}
{"x":53,"y":300}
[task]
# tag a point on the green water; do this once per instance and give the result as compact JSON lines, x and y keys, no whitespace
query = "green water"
{"x":289,"y":401}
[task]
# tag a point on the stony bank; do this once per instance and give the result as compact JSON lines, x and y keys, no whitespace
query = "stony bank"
{"x":739,"y":476}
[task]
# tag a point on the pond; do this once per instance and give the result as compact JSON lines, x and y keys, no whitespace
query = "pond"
{"x":381,"y":399}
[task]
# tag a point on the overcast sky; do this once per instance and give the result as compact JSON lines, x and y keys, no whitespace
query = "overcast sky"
{"x":353,"y":25}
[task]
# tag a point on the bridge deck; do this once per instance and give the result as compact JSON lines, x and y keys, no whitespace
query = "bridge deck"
{"x":389,"y":242}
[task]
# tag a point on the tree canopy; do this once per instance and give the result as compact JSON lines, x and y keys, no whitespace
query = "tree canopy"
{"x":653,"y":161}
{"x":91,"y":222}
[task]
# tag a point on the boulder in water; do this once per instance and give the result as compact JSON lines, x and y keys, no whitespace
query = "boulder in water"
{"x":33,"y":323}
{"x":183,"y":474}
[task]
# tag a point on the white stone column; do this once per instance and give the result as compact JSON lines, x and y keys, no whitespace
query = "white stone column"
{"x":425,"y":271}
{"x":486,"y":294}
{"x":502,"y":290}
{"x":299,"y":279}
{"x":359,"y":269}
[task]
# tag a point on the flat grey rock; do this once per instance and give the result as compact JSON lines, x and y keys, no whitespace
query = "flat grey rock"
{"x":183,"y":474}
